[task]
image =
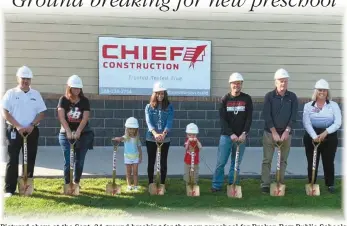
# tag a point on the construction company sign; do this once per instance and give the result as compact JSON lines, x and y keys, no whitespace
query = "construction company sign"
{"x":130,"y":66}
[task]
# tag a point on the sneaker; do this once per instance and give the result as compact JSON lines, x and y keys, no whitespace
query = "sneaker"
{"x":215,"y":190}
{"x":135,"y":188}
{"x":265,"y":190}
{"x":129,"y":188}
{"x":331,"y":189}
{"x":7,"y":194}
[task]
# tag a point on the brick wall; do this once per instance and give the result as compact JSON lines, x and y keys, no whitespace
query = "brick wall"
{"x":108,"y":116}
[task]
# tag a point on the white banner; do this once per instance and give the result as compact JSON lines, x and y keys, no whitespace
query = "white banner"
{"x":130,"y":66}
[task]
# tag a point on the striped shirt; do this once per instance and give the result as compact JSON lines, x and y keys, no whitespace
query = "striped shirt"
{"x":329,"y":117}
{"x":131,"y":145}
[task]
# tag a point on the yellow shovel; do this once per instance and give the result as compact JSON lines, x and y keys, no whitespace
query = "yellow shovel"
{"x":313,"y":189}
{"x":278,"y":189}
{"x":234,"y":190}
{"x":25,"y":184}
{"x":112,"y":188}
{"x":72,"y":188}
{"x":157,"y":188}
{"x":192,"y":189}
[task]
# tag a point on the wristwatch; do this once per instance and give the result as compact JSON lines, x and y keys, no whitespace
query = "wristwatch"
{"x":34,"y":125}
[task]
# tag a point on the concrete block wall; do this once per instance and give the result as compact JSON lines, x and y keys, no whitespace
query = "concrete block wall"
{"x":108,"y":116}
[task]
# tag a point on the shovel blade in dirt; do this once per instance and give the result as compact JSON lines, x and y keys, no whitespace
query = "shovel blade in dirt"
{"x":277,"y":189}
{"x":312,"y":190}
{"x":25,"y":187}
{"x":73,"y":189}
{"x":193,"y":190}
{"x":113,"y":189}
{"x":234,"y":191}
{"x":156,"y":190}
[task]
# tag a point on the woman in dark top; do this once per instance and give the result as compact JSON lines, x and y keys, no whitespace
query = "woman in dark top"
{"x":73,"y":114}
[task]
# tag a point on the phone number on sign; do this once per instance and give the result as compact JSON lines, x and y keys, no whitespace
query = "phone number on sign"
{"x":116,"y":91}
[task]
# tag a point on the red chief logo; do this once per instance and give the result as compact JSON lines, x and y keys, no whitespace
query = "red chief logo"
{"x":193,"y":54}
{"x":161,"y":57}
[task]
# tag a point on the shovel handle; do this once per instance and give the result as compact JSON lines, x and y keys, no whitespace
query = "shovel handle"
{"x":278,"y":145}
{"x":115,"y":143}
{"x":25,"y":135}
{"x":114,"y":158}
{"x":113,"y":179}
{"x":158,"y":162}
{"x":72,"y":158}
{"x":192,"y":153}
{"x":238,"y":143}
{"x":315,"y":150}
{"x":72,"y":141}
{"x":25,"y":156}
{"x":159,"y":145}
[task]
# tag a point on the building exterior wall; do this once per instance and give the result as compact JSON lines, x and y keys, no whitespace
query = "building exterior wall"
{"x":56,"y":46}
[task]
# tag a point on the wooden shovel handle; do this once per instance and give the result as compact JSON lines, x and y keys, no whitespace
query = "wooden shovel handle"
{"x":72,"y":141}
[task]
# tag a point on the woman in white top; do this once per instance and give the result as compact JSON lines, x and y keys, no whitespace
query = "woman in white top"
{"x":322,"y":119}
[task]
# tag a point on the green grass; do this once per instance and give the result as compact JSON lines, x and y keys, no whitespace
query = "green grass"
{"x":48,"y":200}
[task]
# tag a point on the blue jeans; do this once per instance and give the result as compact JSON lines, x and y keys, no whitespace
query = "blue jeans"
{"x":81,"y":148}
{"x":225,"y":147}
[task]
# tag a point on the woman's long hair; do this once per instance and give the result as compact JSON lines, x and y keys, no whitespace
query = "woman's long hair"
{"x":154,"y":101}
{"x":68,"y":93}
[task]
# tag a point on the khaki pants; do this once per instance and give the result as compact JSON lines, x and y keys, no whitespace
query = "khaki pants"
{"x":268,"y":152}
{"x":187,"y":173}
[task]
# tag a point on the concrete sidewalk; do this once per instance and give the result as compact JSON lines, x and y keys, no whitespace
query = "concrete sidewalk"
{"x":98,"y":162}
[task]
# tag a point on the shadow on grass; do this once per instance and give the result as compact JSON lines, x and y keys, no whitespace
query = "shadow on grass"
{"x":175,"y":198}
{"x":48,"y":198}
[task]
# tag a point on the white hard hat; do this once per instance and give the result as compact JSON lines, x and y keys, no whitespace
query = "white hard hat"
{"x":75,"y":81}
{"x":24,"y":72}
{"x":235,"y":77}
{"x":281,"y":73}
{"x":322,"y":84}
{"x":132,"y":123}
{"x":192,"y":128}
{"x":157,"y":87}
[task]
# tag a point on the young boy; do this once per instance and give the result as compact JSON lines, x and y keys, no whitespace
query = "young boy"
{"x":191,"y":143}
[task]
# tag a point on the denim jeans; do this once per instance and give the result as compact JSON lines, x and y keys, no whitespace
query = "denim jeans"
{"x":81,"y":148}
{"x":226,"y":145}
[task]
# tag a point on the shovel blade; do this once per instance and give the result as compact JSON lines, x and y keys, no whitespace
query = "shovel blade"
{"x":193,"y":191}
{"x":25,"y":187}
{"x":73,"y":189}
{"x":234,"y":191}
{"x":113,"y":190}
{"x":156,"y":190}
{"x":277,"y":190}
{"x":312,"y":190}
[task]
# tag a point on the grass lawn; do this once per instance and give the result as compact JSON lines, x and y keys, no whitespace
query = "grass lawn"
{"x":47,"y":200}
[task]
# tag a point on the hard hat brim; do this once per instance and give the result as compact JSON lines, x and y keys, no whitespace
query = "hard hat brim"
{"x":20,"y":76}
{"x":76,"y":86}
{"x":159,"y":89}
{"x":230,"y":81}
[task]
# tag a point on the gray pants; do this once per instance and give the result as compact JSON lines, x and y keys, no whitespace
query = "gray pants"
{"x":187,"y":173}
{"x":268,"y":152}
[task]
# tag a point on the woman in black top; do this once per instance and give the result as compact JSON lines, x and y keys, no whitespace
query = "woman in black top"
{"x":73,"y":114}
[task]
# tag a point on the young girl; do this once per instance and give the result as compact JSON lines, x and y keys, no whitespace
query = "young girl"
{"x":132,"y":151}
{"x":191,"y":142}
